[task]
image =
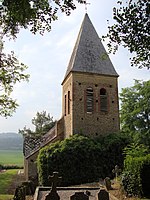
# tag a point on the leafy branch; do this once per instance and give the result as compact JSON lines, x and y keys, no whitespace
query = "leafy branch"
{"x":132,"y":31}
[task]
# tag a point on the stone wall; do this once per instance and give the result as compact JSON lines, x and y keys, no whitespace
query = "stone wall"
{"x":60,"y":128}
{"x":32,"y":166}
{"x":67,"y":86}
{"x":97,"y":122}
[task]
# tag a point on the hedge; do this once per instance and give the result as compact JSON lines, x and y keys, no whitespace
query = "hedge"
{"x":81,"y":159}
{"x":2,"y":167}
{"x":136,"y":175}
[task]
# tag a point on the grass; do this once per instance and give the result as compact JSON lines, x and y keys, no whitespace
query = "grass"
{"x":9,"y":180}
{"x":6,"y":197}
{"x":6,"y":180}
{"x":10,"y":197}
{"x":11,"y":157}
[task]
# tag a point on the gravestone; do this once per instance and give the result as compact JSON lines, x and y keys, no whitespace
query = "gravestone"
{"x":103,"y":195}
{"x":20,"y":193}
{"x":65,"y":193}
{"x":79,"y":196}
{"x":53,"y":195}
{"x":108,"y":183}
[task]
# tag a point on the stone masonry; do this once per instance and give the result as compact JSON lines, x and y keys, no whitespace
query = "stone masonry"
{"x":96,"y":123}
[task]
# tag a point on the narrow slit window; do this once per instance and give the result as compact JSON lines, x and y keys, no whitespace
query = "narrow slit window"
{"x":65,"y":104}
{"x":103,"y":100}
{"x":68,"y":102}
{"x":89,"y":100}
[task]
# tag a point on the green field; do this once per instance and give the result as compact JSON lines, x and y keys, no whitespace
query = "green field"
{"x":11,"y":157}
{"x":6,"y":179}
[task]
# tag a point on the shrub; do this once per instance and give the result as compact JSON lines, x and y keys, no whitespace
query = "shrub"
{"x":81,"y":159}
{"x":11,"y":167}
{"x":134,"y":176}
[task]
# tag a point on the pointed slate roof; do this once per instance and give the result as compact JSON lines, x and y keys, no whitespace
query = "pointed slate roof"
{"x":89,"y":54}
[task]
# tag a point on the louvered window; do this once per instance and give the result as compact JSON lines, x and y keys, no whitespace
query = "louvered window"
{"x":89,"y":100}
{"x":103,"y":100}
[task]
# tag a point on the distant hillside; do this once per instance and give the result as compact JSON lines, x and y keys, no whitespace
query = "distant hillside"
{"x":11,"y":141}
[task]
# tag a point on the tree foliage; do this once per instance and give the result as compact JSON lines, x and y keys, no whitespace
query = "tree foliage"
{"x":36,"y":15}
{"x":43,"y":122}
{"x":11,"y":72}
{"x":135,"y":110}
{"x":135,"y":150}
{"x":135,"y":119}
{"x":132,"y":30}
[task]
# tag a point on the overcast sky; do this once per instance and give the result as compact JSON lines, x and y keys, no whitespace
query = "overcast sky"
{"x":47,"y":58}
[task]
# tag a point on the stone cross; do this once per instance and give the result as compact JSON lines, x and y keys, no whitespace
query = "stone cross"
{"x":53,"y":195}
{"x":55,"y":179}
{"x":116,"y":171}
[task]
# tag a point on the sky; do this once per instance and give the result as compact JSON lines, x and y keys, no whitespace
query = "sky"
{"x":47,"y":58}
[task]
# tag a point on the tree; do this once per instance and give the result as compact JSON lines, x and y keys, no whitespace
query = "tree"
{"x":135,"y":110}
{"x":43,"y":122}
{"x":132,"y":30}
{"x":11,"y":72}
{"x":135,"y":150}
{"x":35,"y":15}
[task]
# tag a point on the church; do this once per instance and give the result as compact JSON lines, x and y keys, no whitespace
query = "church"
{"x":90,"y":103}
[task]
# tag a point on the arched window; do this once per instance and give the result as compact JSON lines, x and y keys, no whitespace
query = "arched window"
{"x":89,"y":100}
{"x":103,"y":100}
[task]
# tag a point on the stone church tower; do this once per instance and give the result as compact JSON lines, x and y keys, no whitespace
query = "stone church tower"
{"x":90,"y":88}
{"x":89,"y":98}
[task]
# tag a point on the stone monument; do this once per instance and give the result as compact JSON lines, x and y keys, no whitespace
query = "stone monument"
{"x":53,"y":195}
